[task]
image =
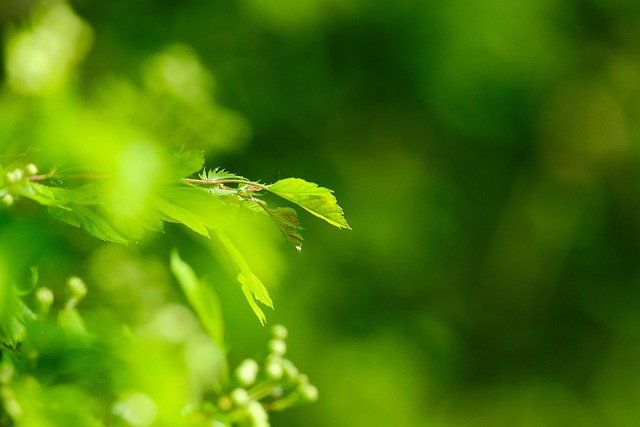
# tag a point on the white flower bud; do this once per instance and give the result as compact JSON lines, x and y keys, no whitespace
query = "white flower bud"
{"x":274,"y":368}
{"x":258,"y":415}
{"x":7,"y":199}
{"x":247,"y":372}
{"x":31,"y":169}
{"x":278,"y":347}
{"x":290,"y":369}
{"x":280,"y":332}
{"x":14,"y":175}
{"x":77,"y":287}
{"x":240,"y":396}
{"x":308,"y":392}
{"x":44,"y":297}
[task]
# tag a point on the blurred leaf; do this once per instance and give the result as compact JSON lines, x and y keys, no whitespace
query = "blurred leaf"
{"x":40,"y":193}
{"x":203,"y":298}
{"x":90,"y":221}
{"x":25,"y":287}
{"x":193,"y":207}
{"x":317,"y":200}
{"x":183,"y":163}
{"x":70,"y":320}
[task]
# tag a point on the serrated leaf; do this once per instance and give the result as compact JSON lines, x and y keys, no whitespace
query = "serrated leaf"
{"x":287,"y":221}
{"x":252,"y":303}
{"x":250,"y":283}
{"x":316,"y":200}
{"x":202,"y":298}
{"x":90,"y":221}
{"x":218,"y":174}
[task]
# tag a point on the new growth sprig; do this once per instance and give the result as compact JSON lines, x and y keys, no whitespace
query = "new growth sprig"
{"x":119,"y":209}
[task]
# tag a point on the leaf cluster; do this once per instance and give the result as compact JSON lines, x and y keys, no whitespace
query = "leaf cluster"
{"x":106,"y":207}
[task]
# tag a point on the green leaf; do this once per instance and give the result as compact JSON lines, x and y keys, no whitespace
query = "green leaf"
{"x":319,"y":201}
{"x":90,"y":221}
{"x":251,"y":285}
{"x":183,"y":163}
{"x":218,"y":174}
{"x":287,"y":221}
{"x":23,"y":288}
{"x":193,"y":207}
{"x":203,"y":298}
{"x":40,"y":193}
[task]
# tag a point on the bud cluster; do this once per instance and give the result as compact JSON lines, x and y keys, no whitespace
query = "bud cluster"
{"x":273,"y":385}
{"x":15,"y":177}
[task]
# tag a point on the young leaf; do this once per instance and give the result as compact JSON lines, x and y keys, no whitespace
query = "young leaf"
{"x":319,"y":201}
{"x":89,"y":220}
{"x":40,"y":193}
{"x":252,"y":303}
{"x":287,"y":221}
{"x":218,"y":174}
{"x":251,"y":285}
{"x":203,"y":298}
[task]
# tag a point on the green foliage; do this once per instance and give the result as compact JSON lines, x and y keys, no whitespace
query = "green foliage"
{"x":205,"y":204}
{"x":202,"y":205}
{"x":133,"y":346}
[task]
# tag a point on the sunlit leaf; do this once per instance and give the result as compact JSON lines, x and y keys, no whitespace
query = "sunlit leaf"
{"x":193,"y":207}
{"x":220,"y":174}
{"x":317,"y":200}
{"x":287,"y":221}
{"x":251,"y":284}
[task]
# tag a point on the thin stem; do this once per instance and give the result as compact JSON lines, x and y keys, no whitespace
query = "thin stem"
{"x":51,"y":175}
{"x":222,"y":181}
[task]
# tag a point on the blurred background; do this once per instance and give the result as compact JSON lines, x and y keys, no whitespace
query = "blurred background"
{"x":485,"y":153}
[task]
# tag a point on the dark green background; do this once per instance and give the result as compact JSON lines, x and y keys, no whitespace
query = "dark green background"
{"x":486,"y":156}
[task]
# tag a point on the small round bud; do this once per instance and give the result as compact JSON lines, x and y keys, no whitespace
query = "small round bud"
{"x":31,"y":169}
{"x":14,"y":175}
{"x":225,"y":403}
{"x":247,"y":372}
{"x":303,"y":379}
{"x":44,"y":297}
{"x":290,"y":369}
{"x":280,"y":332}
{"x":240,"y":396}
{"x":7,"y":199}
{"x":274,"y":369}
{"x":278,"y":347}
{"x":308,"y":392}
{"x":257,"y":414}
{"x":77,"y":287}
